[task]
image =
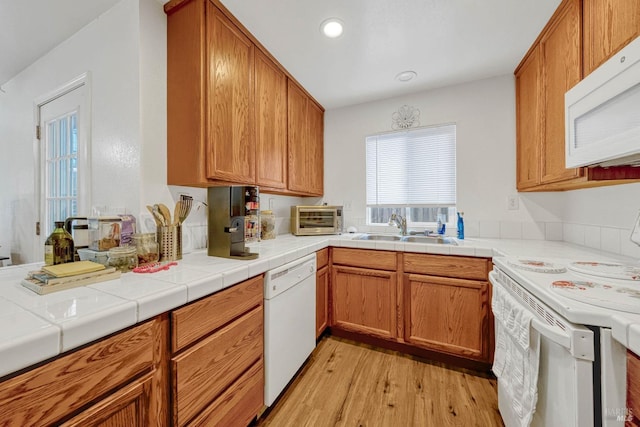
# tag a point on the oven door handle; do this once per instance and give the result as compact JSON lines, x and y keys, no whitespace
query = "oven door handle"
{"x":549,"y":332}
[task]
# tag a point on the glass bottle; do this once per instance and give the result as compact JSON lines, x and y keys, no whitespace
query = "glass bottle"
{"x":58,"y":248}
{"x":268,"y":226}
{"x":123,"y":258}
{"x":146,"y":247}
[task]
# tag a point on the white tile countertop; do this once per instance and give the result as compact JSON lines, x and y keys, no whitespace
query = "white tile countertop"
{"x":37,"y":327}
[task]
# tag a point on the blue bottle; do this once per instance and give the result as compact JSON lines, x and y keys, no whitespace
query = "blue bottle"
{"x":441,"y":226}
{"x":460,"y":226}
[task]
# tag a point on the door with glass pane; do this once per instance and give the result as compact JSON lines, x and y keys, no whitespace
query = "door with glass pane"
{"x":60,"y":151}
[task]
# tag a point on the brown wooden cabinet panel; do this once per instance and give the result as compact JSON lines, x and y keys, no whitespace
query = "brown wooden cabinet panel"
{"x":447,"y":266}
{"x":204,"y":371}
{"x":238,"y":405}
{"x":231,"y":142}
{"x":322,"y":258}
{"x":364,"y":301}
{"x":201,"y":318}
{"x":449,"y":315}
{"x":228,"y":118}
{"x":562,"y":68}
{"x":46,"y":394}
{"x":528,"y":121}
{"x":305,"y":135}
{"x":633,"y":389}
{"x":378,"y":260}
{"x":322,"y":299}
{"x":581,"y":34}
{"x":126,"y":407}
{"x":271,"y":123}
{"x":609,"y":25}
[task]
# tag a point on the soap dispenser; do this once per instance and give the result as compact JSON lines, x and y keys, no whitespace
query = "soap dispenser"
{"x":460,"y":226}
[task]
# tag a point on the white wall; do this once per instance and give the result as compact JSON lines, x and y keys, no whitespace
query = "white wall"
{"x":602,"y":218}
{"x":484,"y":112}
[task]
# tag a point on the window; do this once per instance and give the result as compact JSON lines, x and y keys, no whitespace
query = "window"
{"x":412,"y":173}
{"x":61,"y":170}
{"x":64,"y":181}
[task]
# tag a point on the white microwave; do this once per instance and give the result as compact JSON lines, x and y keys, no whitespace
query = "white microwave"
{"x":602,"y":113}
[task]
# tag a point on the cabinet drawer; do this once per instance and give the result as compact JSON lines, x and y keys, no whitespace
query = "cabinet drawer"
{"x":322,"y":258}
{"x":204,"y":371}
{"x":447,"y":266}
{"x":238,"y":404}
{"x":45,"y":394}
{"x":199,"y":319}
{"x":380,"y":260}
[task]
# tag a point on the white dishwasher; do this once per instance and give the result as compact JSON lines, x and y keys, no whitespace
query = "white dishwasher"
{"x":289,"y":322}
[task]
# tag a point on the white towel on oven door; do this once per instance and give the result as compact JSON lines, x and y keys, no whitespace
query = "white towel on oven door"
{"x":516,"y":359}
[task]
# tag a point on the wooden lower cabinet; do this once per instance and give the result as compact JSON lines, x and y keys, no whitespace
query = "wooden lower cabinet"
{"x":217,"y":375}
{"x":124,"y":373}
{"x":633,"y":389}
{"x":414,"y":302}
{"x":126,"y":407}
{"x":363,"y":300}
{"x":322,"y":291}
{"x":448,"y":315}
{"x":322,"y":300}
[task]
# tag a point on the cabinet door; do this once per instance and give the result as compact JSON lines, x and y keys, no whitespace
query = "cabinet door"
{"x":528,"y":121}
{"x":322,"y":300}
{"x":562,"y":65}
{"x":306,"y":123}
{"x":450,"y":315}
{"x":231,"y":141}
{"x":126,"y":407}
{"x":315,"y":150}
{"x":364,"y":301}
{"x":271,"y":123}
{"x":609,"y":25}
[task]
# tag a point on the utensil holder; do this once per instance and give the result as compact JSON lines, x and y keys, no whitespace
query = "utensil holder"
{"x":170,"y":242}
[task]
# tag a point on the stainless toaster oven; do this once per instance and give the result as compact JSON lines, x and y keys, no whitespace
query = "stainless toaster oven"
{"x":314,"y":220}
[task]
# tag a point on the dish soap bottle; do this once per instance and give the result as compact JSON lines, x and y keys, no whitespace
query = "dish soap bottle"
{"x":58,"y":248}
{"x":460,"y":226}
{"x":441,"y":226}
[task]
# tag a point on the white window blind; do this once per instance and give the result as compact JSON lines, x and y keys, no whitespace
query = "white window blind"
{"x":412,"y":168}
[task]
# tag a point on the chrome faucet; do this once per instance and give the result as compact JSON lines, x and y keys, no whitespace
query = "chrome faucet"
{"x":400,"y":222}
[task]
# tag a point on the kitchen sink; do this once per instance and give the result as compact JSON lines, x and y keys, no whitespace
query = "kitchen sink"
{"x":438,"y":240}
{"x":435,"y":239}
{"x":385,"y":237}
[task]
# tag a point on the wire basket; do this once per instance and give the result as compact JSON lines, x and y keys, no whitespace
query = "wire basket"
{"x":170,"y":242}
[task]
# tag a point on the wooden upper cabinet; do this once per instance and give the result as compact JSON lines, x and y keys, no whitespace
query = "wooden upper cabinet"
{"x":305,"y":142}
{"x":561,"y":52}
{"x":609,"y":25}
{"x":228,"y":114}
{"x":528,"y":121}
{"x":271,"y":123}
{"x":231,"y":142}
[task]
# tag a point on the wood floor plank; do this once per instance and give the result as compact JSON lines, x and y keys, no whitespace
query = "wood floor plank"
{"x":352,"y":384}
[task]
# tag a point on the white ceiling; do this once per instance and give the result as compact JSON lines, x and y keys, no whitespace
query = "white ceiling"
{"x":444,"y":41}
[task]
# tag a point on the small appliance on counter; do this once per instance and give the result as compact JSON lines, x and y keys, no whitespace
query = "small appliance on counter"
{"x":315,"y":220}
{"x":228,"y":207}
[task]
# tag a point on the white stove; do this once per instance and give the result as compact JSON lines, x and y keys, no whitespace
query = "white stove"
{"x":582,"y":369}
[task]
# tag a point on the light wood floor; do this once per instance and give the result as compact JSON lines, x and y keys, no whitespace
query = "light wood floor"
{"x":351,"y":384}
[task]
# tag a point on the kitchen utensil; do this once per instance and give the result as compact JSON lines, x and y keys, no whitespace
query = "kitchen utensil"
{"x":166,"y":213}
{"x":158,"y":218}
{"x":176,"y":212}
{"x":186,"y":202}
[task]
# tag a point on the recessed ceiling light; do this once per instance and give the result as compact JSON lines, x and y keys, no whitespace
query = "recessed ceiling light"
{"x":405,"y":76}
{"x":331,"y":27}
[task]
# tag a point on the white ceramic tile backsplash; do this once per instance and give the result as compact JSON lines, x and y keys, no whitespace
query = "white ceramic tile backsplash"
{"x":610,"y":239}
{"x":490,"y":229}
{"x":553,"y":231}
{"x":510,"y":230}
{"x":592,"y":236}
{"x":533,"y":230}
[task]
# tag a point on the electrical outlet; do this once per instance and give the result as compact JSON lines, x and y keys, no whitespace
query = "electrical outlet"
{"x":272,"y":203}
{"x":346,"y":205}
{"x":513,"y":203}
